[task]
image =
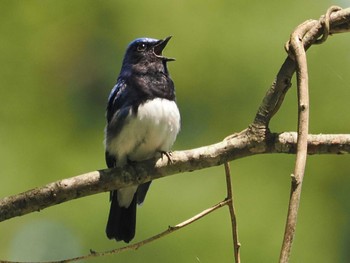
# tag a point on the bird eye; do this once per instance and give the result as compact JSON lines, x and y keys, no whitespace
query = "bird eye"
{"x":141,"y":47}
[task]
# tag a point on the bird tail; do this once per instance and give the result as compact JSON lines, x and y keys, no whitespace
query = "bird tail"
{"x":121,"y":221}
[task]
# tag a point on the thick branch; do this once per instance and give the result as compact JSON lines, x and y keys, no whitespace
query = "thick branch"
{"x":237,"y":146}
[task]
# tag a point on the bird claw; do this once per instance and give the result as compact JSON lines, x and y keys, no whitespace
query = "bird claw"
{"x":168,"y":155}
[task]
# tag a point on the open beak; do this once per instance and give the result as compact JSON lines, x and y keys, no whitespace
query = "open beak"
{"x":158,"y":48}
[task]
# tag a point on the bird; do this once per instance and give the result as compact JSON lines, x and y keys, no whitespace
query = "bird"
{"x":143,"y":121}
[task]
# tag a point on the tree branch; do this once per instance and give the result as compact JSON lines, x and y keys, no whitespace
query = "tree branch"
{"x":299,"y":53}
{"x":339,"y":22}
{"x":237,"y":146}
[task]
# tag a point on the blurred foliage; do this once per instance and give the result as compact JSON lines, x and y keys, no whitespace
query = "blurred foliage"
{"x":59,"y":61}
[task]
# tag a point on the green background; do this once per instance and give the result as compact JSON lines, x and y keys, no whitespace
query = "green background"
{"x":58,"y":63}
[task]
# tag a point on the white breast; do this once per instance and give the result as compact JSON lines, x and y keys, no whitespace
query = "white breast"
{"x":154,"y":128}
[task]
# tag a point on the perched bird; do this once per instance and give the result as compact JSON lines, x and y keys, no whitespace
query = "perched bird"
{"x":143,"y":120}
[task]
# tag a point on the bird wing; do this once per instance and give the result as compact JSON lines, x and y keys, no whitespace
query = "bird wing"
{"x":116,"y":114}
{"x":115,"y":99}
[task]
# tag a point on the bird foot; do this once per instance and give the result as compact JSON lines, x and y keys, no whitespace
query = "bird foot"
{"x":168,"y":155}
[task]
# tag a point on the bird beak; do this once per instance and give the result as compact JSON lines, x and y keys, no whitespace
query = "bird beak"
{"x":158,"y":48}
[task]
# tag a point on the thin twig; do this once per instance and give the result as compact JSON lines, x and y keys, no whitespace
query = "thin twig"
{"x":137,"y":245}
{"x":236,"y":244}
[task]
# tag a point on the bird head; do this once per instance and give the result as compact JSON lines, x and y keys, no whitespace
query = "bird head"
{"x":146,"y":50}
